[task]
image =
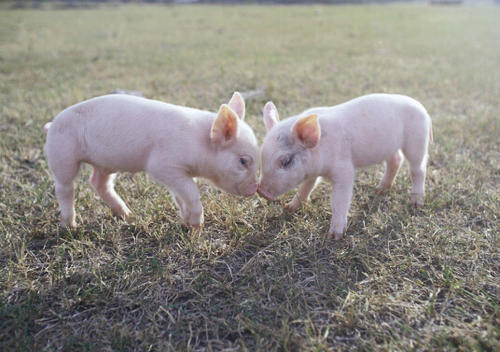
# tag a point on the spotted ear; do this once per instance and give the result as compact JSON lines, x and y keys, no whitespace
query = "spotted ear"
{"x":271,"y":117}
{"x":237,"y":103}
{"x":225,"y":127}
{"x":307,"y":131}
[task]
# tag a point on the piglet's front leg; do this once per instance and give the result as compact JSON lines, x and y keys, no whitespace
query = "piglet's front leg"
{"x":186,"y":196}
{"x":302,"y":195}
{"x":343,"y":183}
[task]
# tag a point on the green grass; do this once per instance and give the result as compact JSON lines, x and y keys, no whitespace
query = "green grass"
{"x":257,"y":278}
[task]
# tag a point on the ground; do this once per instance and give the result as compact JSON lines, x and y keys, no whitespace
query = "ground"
{"x":257,"y":278}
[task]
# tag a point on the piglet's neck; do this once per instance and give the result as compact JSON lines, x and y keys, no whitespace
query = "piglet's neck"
{"x":203,"y":161}
{"x":204,"y":164}
{"x":318,"y":165}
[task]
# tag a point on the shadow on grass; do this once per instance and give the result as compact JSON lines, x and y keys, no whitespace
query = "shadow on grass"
{"x":149,"y":292}
{"x":131,"y":285}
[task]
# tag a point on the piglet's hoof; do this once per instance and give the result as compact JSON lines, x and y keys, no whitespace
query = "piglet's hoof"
{"x":417,"y":200}
{"x":293,"y":205}
{"x":335,"y":236}
{"x":382,"y":189}
{"x":123,"y":213}
{"x":68,"y":225}
{"x":68,"y":222}
{"x":196,"y":229}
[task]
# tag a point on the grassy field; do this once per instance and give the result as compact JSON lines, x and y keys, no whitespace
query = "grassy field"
{"x":257,"y":278}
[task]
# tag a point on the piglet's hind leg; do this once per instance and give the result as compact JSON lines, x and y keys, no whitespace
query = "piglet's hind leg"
{"x":418,"y":187}
{"x":65,"y":195}
{"x":64,"y":175}
{"x":418,"y":167}
{"x":103,"y":183}
{"x":392,"y":166}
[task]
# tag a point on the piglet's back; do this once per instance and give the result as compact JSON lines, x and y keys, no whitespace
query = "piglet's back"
{"x":118,"y":132}
{"x":377,"y":125}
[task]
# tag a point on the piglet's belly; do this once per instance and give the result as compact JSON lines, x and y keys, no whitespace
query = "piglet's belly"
{"x":374,"y":154}
{"x":116,"y":165}
{"x":126,"y":162}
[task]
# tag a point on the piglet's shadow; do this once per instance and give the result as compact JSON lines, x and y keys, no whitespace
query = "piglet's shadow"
{"x":367,"y":201}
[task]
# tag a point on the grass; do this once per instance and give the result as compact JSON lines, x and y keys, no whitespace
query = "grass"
{"x":257,"y":278}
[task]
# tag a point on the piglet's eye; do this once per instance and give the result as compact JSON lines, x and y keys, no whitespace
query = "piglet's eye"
{"x":287,"y":161}
{"x":244,"y":161}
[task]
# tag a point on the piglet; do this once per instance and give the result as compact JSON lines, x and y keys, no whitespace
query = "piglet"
{"x":332,"y":142}
{"x":171,"y":143}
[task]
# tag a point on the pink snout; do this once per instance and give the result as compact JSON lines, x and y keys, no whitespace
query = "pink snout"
{"x":261,"y":191}
{"x":250,"y":191}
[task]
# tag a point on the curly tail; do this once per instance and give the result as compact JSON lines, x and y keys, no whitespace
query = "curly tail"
{"x":47,"y":126}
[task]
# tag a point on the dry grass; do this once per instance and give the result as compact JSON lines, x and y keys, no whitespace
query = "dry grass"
{"x":258,"y":278}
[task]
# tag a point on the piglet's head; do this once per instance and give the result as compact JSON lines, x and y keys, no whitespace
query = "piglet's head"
{"x":237,"y":153}
{"x":287,"y":151}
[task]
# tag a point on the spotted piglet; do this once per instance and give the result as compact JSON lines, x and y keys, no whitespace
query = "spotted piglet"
{"x":332,"y":142}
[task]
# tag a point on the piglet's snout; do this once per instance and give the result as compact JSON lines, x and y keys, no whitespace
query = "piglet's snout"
{"x":248,"y":191}
{"x":262,"y":192}
{"x":253,"y":189}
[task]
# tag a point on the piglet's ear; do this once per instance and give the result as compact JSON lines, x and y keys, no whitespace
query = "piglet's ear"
{"x":237,"y":103}
{"x":307,"y":131}
{"x":271,"y":117}
{"x":225,"y":127}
